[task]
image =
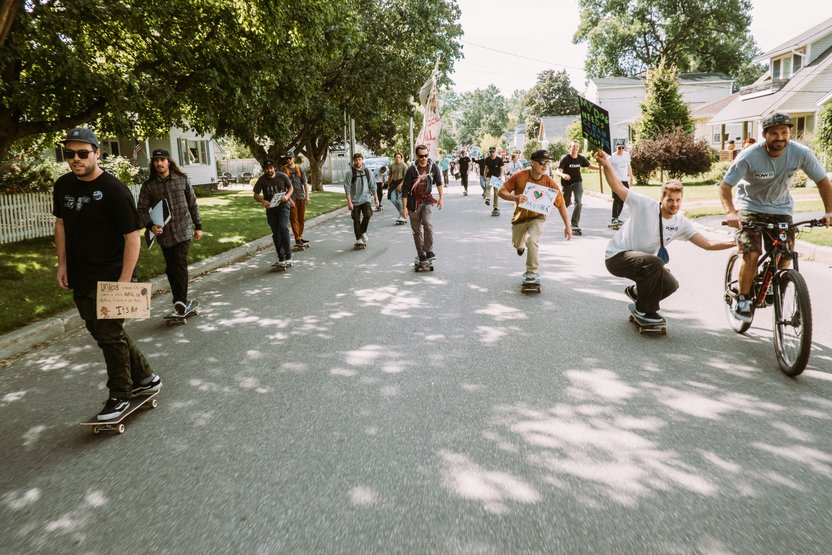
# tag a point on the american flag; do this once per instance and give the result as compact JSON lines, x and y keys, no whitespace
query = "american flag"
{"x":137,"y":149}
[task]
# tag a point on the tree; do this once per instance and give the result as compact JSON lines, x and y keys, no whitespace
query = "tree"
{"x":675,"y":152}
{"x":663,"y":109}
{"x":482,"y":112}
{"x":824,"y":133}
{"x":626,"y":38}
{"x":552,"y":95}
{"x":516,"y":105}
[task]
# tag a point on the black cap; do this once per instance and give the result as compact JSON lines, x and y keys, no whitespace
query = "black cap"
{"x":268,"y":162}
{"x":492,"y":149}
{"x":82,"y":135}
{"x":357,"y":155}
{"x":539,"y":155}
{"x":160,"y":153}
{"x":777,"y":118}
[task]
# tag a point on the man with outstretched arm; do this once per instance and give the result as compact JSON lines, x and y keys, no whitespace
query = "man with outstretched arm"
{"x":633,"y":252}
{"x":762,"y":174}
{"x":421,"y":178}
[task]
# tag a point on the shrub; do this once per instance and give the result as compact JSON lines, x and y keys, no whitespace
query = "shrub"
{"x":557,"y":149}
{"x":644,"y":160}
{"x":530,"y":146}
{"x":122,"y":168}
{"x":677,"y":153}
{"x":716,"y":172}
{"x":29,"y":170}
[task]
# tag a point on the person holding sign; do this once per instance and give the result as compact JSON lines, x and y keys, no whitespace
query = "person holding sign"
{"x":637,"y":250}
{"x":167,"y":183}
{"x":494,"y":171}
{"x":572,"y":182}
{"x":274,"y":191}
{"x":97,"y":239}
{"x":528,"y":219}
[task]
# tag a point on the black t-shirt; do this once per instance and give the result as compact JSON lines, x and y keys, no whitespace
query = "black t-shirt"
{"x":464,"y":162}
{"x":481,"y":163}
{"x":269,"y":187}
{"x":493,"y":165}
{"x":97,"y":215}
{"x":572,"y":167}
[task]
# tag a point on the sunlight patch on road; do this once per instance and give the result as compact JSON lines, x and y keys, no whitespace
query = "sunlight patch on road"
{"x":496,"y":490}
{"x":501,"y":312}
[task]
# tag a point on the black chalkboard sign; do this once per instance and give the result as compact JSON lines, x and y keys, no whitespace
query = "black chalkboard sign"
{"x":595,"y":125}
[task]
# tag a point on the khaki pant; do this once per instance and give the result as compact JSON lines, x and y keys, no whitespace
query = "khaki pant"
{"x":527,"y":234}
{"x":297,"y":218}
{"x":420,"y":224}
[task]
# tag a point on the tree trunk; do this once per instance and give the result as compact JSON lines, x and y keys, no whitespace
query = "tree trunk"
{"x":316,"y":151}
{"x":8,"y":13}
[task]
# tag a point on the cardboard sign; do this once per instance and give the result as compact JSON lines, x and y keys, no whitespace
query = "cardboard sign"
{"x":539,"y":199}
{"x":495,"y":182}
{"x":115,"y":299}
{"x":595,"y":125}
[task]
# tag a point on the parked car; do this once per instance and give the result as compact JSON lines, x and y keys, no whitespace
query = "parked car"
{"x":375,"y":164}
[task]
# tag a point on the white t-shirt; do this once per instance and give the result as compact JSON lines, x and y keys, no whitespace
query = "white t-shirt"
{"x":641,"y":231}
{"x":620,"y":165}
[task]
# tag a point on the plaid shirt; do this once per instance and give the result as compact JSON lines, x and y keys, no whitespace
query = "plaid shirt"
{"x":181,"y":201}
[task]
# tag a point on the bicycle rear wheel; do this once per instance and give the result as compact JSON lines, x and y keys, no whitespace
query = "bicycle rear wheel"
{"x":792,"y":322}
{"x":732,"y":289}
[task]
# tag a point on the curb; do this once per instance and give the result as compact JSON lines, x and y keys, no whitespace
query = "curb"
{"x":18,"y":342}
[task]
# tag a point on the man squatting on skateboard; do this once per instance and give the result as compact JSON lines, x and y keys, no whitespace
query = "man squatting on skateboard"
{"x":167,"y":182}
{"x":419,"y":180}
{"x":360,"y":190}
{"x":97,"y":239}
{"x":527,"y":226}
{"x":631,"y":252}
{"x":274,"y":191}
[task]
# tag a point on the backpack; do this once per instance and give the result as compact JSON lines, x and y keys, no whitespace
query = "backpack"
{"x":356,"y":174}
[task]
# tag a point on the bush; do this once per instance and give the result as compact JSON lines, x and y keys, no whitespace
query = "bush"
{"x":557,"y":150}
{"x":529,"y":147}
{"x":122,"y":168}
{"x":677,"y":153}
{"x":29,"y":170}
{"x":716,"y":172}
{"x":644,"y":160}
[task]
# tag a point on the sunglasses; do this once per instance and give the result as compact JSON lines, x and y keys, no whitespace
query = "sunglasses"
{"x":541,"y":162}
{"x":421,"y":156}
{"x":82,"y":154}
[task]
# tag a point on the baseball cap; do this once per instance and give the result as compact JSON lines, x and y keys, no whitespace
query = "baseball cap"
{"x":540,"y":155}
{"x":777,"y":118}
{"x":357,"y":155}
{"x":619,"y":142}
{"x":81,"y":134}
{"x":268,"y":162}
{"x":492,"y":149}
{"x":160,"y":153}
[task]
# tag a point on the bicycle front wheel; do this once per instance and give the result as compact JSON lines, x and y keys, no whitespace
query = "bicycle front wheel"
{"x":732,"y":289}
{"x":792,"y":322}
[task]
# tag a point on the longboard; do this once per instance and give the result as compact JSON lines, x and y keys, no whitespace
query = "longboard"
{"x":176,"y":319}
{"x":426,"y":266}
{"x":359,"y":247}
{"x":298,"y":248}
{"x":116,"y":425}
{"x":277,"y":267}
{"x":643,"y":325}
{"x":530,"y":287}
{"x":616,"y":227}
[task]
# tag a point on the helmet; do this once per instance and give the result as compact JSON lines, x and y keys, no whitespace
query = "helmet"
{"x":777,"y":118}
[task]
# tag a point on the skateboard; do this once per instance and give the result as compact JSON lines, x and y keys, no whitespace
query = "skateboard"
{"x":530,"y":286}
{"x":644,"y":326}
{"x":300,"y":247}
{"x":426,"y":266}
{"x":611,"y":226}
{"x":495,"y":212}
{"x":576,"y":231}
{"x":115,"y":425}
{"x":359,"y":247}
{"x":174,"y":319}
{"x":401,"y":222}
{"x":281,"y":267}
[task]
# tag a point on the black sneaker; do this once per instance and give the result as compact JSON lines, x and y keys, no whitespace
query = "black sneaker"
{"x":304,"y":241}
{"x":113,"y":408}
{"x":154,"y":385}
{"x":423,"y":258}
{"x":576,"y":231}
{"x":744,"y":311}
{"x":520,"y":251}
{"x":488,"y":202}
{"x":430,"y":256}
{"x":654,"y":317}
{"x":631,"y":292}
{"x":180,"y":308}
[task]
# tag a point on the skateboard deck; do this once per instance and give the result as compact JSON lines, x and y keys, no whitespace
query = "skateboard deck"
{"x":423,"y":266}
{"x":298,"y":248}
{"x":615,"y":226}
{"x":358,"y":247}
{"x":280,"y":268}
{"x":530,"y":287}
{"x":398,"y":222}
{"x":116,"y":424}
{"x":643,"y":325}
{"x":175,"y":319}
{"x":495,"y":212}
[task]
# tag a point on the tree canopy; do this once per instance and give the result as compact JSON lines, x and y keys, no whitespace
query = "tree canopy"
{"x":663,"y":108}
{"x":627,"y":37}
{"x":481,"y":112}
{"x":552,"y":95}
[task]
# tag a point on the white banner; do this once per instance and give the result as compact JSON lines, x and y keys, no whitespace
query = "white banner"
{"x":431,"y":123}
{"x":539,"y":199}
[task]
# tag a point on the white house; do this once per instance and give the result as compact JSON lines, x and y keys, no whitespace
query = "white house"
{"x":622,"y":96}
{"x":553,"y":129}
{"x":798,"y":82}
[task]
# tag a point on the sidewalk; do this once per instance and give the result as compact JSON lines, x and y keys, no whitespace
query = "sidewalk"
{"x":20,"y":341}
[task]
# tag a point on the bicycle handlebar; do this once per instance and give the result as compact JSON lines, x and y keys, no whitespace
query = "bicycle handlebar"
{"x":770,"y":225}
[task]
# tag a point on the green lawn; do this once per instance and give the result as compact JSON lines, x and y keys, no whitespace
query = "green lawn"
{"x":27,"y":268}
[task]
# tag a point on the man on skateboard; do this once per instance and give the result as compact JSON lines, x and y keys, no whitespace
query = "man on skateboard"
{"x":97,"y":239}
{"x":637,"y":250}
{"x":300,"y":199}
{"x":419,"y":181}
{"x":168,"y":184}
{"x":526,"y":225}
{"x":360,"y":190}
{"x":274,"y":191}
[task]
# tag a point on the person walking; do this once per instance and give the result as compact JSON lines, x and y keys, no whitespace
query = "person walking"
{"x":419,"y":181}
{"x":762,"y":174}
{"x":301,"y":193}
{"x":394,"y":185}
{"x":274,"y":191}
{"x":444,"y":166}
{"x":637,"y":250}
{"x":526,"y":225}
{"x":464,"y":164}
{"x":481,"y":173}
{"x":494,"y":168}
{"x":569,"y":170}
{"x":97,"y":239}
{"x":360,"y":190}
{"x":169,"y":185}
{"x":620,"y":161}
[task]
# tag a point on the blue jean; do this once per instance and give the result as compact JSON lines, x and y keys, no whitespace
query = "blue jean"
{"x":278,"y":218}
{"x":396,"y":199}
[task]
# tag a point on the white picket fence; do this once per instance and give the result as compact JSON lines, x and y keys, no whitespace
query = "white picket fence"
{"x":29,"y":215}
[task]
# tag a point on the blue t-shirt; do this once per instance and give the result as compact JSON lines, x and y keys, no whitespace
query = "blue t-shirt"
{"x":763,"y":181}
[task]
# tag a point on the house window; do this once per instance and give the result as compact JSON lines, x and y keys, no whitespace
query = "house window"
{"x":114,"y":150}
{"x":787,"y":68}
{"x":192,"y":152}
{"x":797,"y":62}
{"x":803,"y":125}
{"x":775,"y":69}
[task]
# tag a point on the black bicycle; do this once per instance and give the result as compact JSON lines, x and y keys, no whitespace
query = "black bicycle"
{"x":784,"y":288}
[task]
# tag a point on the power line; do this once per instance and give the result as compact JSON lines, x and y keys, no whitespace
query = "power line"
{"x":512,"y":54}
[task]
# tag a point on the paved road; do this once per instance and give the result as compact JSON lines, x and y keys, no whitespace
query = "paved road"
{"x":353,"y":406}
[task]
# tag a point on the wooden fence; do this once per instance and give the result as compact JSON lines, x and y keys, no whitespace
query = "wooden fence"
{"x":29,"y":215}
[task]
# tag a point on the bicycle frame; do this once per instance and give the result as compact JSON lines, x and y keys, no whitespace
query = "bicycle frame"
{"x":769,"y":263}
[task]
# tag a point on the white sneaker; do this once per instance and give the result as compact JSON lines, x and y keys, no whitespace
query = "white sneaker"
{"x":364,"y":238}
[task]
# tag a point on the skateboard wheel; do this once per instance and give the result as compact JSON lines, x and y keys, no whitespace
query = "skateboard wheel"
{"x":95,"y":429}
{"x":153,"y":404}
{"x":120,"y":428}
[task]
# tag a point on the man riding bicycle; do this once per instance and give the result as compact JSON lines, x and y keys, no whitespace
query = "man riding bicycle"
{"x":762,"y":174}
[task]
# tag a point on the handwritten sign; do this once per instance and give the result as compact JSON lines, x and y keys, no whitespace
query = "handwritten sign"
{"x":115,"y":299}
{"x":539,"y":199}
{"x":495,"y":182}
{"x":595,"y":125}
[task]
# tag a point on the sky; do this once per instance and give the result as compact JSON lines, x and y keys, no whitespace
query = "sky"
{"x":507,"y":43}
